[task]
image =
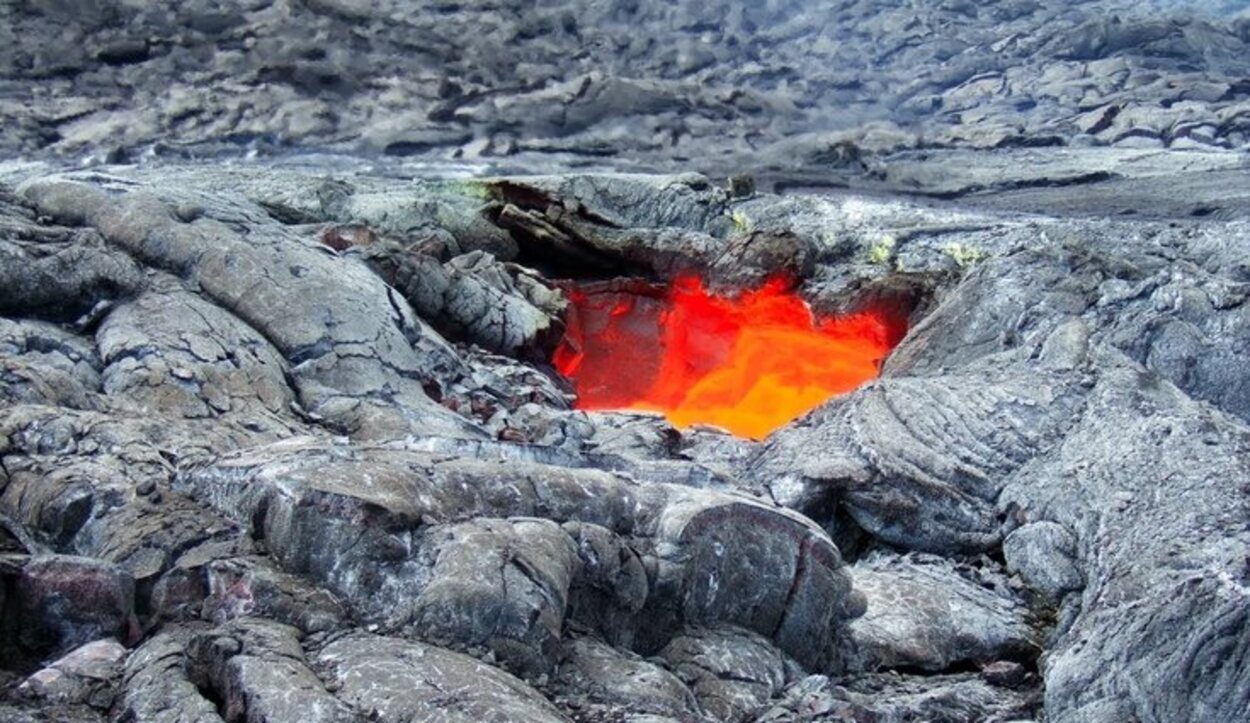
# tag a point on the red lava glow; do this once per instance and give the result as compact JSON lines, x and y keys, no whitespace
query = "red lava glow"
{"x":748,"y":364}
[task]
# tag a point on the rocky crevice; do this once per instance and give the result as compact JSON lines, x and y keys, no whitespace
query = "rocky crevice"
{"x":293,"y":497}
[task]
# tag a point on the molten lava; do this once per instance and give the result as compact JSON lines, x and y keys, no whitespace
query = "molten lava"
{"x":748,"y":364}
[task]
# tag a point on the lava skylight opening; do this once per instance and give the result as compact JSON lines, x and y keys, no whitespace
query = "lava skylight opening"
{"x":748,"y":364}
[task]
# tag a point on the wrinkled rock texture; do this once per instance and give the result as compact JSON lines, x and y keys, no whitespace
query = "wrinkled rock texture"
{"x":279,"y":440}
{"x":255,"y":469}
{"x":803,"y":89}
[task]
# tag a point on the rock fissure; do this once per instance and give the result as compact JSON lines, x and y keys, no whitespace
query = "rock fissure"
{"x":294,"y":414}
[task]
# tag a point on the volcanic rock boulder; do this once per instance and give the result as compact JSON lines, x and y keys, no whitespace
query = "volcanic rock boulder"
{"x":731,"y":671}
{"x":157,"y":686}
{"x":450,"y":550}
{"x":256,"y":669}
{"x":351,"y":347}
{"x":455,"y":214}
{"x":86,"y":674}
{"x":924,"y":614}
{"x":889,"y":457}
{"x":172,"y":351}
{"x":1109,"y":458}
{"x":502,"y":585}
{"x":238,"y":586}
{"x":895,"y":697}
{"x":474,"y":297}
{"x":60,"y":272}
{"x":1043,"y":554}
{"x":98,"y":485}
{"x":1179,"y":586}
{"x":727,"y":546}
{"x":608,"y":679}
{"x":68,"y":601}
{"x":665,"y":226}
{"x":45,"y":364}
{"x":1189,"y":325}
{"x":387,"y":679}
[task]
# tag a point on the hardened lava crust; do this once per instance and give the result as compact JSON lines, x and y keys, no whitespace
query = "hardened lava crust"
{"x":282,"y":284}
{"x":283,"y":446}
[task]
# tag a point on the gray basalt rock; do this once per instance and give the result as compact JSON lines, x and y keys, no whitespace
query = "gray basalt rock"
{"x":924,"y":613}
{"x":725,"y":548}
{"x":888,"y":456}
{"x":459,"y":211}
{"x":16,"y":540}
{"x":474,"y":298}
{"x":664,"y":226}
{"x":898,"y":698}
{"x":1109,"y":455}
{"x":1179,"y":586}
{"x":610,"y":589}
{"x":242,"y":586}
{"x":788,"y":87}
{"x":97,"y":485}
{"x":61,"y":272}
{"x":350,"y":349}
{"x":386,"y":679}
{"x":416,"y":546}
{"x":1188,"y":324}
{"x":1043,"y":554}
{"x":501,"y":585}
{"x":86,"y":675}
{"x":43,"y":364}
{"x":597,"y":676}
{"x":264,"y":464}
{"x":731,"y":671}
{"x":751,"y":258}
{"x":157,"y":686}
{"x":257,"y":671}
{"x":173,"y":352}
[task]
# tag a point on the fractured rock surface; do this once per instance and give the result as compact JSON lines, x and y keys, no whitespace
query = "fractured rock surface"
{"x":800,"y":88}
{"x":266,"y":455}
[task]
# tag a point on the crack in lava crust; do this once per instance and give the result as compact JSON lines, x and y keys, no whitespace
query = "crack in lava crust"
{"x":749,"y":364}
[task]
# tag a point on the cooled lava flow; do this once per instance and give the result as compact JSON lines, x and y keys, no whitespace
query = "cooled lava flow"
{"x":749,"y":364}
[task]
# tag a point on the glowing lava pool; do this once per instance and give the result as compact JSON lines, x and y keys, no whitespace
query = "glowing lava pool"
{"x":748,"y":364}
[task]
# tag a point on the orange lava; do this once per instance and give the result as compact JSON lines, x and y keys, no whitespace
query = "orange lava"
{"x":748,"y":364}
